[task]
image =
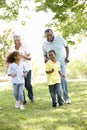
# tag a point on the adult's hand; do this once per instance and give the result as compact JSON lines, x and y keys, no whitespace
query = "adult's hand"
{"x":66,"y":60}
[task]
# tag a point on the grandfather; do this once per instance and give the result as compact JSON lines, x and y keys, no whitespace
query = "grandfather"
{"x":59,"y":45}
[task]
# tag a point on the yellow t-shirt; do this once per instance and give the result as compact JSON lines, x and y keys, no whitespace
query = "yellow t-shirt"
{"x":53,"y":77}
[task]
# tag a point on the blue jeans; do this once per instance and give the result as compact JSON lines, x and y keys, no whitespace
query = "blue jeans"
{"x":55,"y":89}
{"x":64,"y":83}
{"x":18,"y":91}
{"x":28,"y":86}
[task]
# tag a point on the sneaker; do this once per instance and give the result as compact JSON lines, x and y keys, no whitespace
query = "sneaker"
{"x":60,"y":104}
{"x":17,"y":104}
{"x":22,"y":107}
{"x":24,"y":102}
{"x":57,"y":104}
{"x":68,"y":101}
{"x":53,"y":105}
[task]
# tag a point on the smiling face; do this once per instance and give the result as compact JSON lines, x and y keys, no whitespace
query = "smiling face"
{"x":52,"y":56}
{"x":49,"y":35}
{"x":17,"y":41}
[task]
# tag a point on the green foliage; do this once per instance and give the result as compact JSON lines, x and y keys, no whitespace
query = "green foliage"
{"x":6,"y":39}
{"x":40,"y":115}
{"x":10,"y":9}
{"x":70,"y":16}
{"x":77,"y":68}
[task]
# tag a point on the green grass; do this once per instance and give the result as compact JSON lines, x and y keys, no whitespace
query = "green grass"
{"x":40,"y":115}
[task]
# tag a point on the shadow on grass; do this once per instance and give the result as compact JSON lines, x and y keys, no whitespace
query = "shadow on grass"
{"x":40,"y":115}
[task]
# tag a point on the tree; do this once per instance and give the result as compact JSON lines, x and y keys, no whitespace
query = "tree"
{"x":70,"y":16}
{"x":9,"y":9}
{"x":6,"y":39}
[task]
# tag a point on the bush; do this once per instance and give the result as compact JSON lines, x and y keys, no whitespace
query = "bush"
{"x":77,"y":68}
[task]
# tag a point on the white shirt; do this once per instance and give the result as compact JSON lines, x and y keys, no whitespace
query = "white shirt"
{"x":18,"y":70}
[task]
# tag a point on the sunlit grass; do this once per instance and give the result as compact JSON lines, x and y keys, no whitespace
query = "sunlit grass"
{"x":40,"y":115}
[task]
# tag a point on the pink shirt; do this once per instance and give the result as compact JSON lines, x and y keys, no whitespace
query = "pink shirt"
{"x":24,"y":50}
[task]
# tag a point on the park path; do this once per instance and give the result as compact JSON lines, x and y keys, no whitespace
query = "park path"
{"x":4,"y":85}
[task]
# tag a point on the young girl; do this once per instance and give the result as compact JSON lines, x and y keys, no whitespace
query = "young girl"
{"x":53,"y":78}
{"x":17,"y":71}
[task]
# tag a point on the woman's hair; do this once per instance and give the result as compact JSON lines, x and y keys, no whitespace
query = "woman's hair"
{"x":10,"y":57}
{"x":52,"y":51}
{"x":16,"y":35}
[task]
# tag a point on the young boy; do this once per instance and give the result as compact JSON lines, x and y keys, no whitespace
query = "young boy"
{"x":53,"y":78}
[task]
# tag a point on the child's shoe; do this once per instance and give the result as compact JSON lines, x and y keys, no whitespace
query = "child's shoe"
{"x":22,"y":107}
{"x":17,"y":104}
{"x":68,"y":101}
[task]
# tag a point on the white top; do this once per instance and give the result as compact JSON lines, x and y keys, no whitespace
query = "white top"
{"x":17,"y":69}
{"x":24,"y":50}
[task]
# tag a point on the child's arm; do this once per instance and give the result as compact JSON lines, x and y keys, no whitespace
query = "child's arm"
{"x":50,"y":71}
{"x":12,"y":75}
{"x":61,"y":74}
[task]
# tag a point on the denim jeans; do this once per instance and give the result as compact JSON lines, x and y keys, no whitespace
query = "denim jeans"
{"x":18,"y":91}
{"x":64,"y":83}
{"x":28,"y":86}
{"x":55,"y":90}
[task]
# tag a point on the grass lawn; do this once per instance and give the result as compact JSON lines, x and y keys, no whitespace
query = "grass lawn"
{"x":40,"y":115}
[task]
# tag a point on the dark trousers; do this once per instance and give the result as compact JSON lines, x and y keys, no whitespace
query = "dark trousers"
{"x":28,"y":86}
{"x":55,"y":90}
